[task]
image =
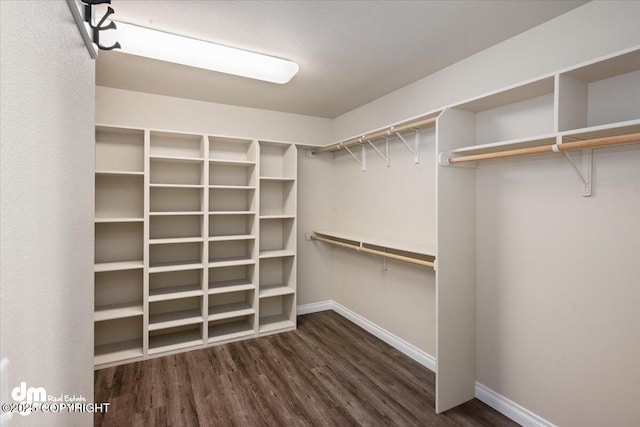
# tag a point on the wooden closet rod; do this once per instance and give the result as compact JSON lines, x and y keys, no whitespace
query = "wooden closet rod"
{"x":416,"y":124}
{"x":555,"y":148}
{"x":375,"y":252}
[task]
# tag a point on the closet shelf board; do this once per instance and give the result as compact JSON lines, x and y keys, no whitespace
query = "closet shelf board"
{"x":228,"y":286}
{"x":115,"y":352}
{"x":175,"y":292}
{"x":276,"y":254}
{"x":274,"y":291}
{"x":174,"y":319}
{"x":228,"y":311}
{"x":117,"y":311}
{"x":231,"y":262}
{"x":174,"y":341}
{"x":117,"y":266}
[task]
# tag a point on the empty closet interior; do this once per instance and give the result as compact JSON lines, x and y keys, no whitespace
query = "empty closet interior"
{"x":198,"y":243}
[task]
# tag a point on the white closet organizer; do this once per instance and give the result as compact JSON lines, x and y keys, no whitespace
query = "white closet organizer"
{"x":187,"y":253}
{"x":597,"y":100}
{"x":591,"y":105}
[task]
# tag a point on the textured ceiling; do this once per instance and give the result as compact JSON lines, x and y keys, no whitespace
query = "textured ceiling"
{"x":349,"y":52}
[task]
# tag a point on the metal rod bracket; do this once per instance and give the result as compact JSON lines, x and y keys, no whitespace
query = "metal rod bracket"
{"x":584,"y":170}
{"x":385,"y":156}
{"x":362,"y":160}
{"x":414,"y":150}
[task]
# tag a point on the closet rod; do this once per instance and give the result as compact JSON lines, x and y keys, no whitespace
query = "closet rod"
{"x":555,"y":148}
{"x":375,"y":252}
{"x":416,"y":124}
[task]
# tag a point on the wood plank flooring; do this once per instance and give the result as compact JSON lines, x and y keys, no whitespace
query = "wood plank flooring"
{"x":329,"y":372}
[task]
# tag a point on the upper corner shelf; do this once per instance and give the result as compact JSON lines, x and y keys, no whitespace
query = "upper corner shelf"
{"x":605,"y":92}
{"x":513,"y":95}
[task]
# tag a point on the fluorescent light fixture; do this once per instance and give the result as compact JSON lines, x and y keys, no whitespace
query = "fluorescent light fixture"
{"x":197,"y":53}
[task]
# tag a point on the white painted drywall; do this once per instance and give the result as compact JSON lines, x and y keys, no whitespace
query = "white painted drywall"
{"x":46,"y":189}
{"x":137,"y":109}
{"x":558,"y":287}
{"x":396,"y":202}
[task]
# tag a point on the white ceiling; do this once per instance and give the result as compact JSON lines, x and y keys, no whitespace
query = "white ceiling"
{"x":349,"y":52}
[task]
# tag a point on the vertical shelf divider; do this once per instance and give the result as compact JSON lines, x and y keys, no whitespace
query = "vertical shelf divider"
{"x":145,"y":275}
{"x":205,"y":240}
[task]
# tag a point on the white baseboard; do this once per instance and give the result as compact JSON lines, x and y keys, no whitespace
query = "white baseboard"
{"x":314,"y":307}
{"x":509,"y":408}
{"x":506,"y":407}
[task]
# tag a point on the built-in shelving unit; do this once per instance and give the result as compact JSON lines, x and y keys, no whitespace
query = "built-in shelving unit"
{"x":119,"y":244}
{"x":277,"y":266}
{"x":178,"y":246}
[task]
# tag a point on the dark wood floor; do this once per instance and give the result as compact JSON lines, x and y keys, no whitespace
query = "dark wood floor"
{"x":329,"y":372}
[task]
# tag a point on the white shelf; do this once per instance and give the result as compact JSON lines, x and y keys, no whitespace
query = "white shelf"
{"x":279,"y":216}
{"x":547,"y":139}
{"x":602,"y":131}
{"x":176,"y":240}
{"x":176,"y":213}
{"x":116,"y":352}
{"x":116,"y":220}
{"x":232,"y":237}
{"x":174,"y":341}
{"x":230,"y":286}
{"x":231,"y":213}
{"x":231,"y":262}
{"x":276,"y":254}
{"x":176,"y":186}
{"x":166,"y":267}
{"x":224,"y":162}
{"x":117,"y":311}
{"x":275,"y":323}
{"x":228,"y":311}
{"x":117,"y":266}
{"x":385,"y":243}
{"x":230,"y":331}
{"x":174,"y":319}
{"x":177,"y":159}
{"x":275,"y":291}
{"x":175,"y":292}
{"x":232,"y":187}
{"x":276,"y":178}
{"x":119,"y":173}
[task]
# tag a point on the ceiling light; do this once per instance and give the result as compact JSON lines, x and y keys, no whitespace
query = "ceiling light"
{"x":197,"y":53}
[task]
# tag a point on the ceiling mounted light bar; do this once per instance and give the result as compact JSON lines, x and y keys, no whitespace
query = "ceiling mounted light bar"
{"x":168,"y":47}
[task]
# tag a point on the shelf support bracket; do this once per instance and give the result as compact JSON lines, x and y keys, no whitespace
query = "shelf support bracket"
{"x":362,"y":160}
{"x":415,"y":151}
{"x":386,"y":156}
{"x":584,"y":171}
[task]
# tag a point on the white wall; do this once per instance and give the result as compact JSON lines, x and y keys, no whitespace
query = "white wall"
{"x":396,"y":202}
{"x":46,"y":189}
{"x":137,"y":109}
{"x":558,"y":324}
